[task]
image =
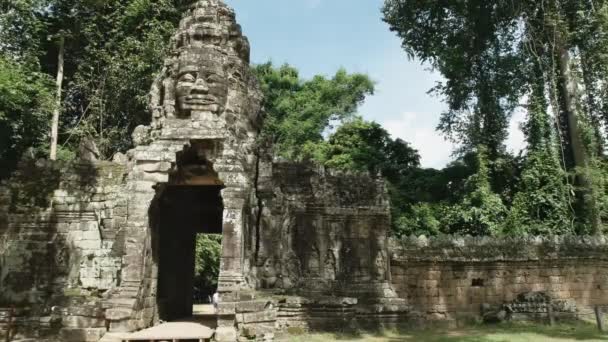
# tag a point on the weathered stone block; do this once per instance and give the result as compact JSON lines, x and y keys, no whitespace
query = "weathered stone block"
{"x":157,"y":177}
{"x":225,"y":334}
{"x":83,"y":322}
{"x":228,"y":321}
{"x":82,"y":334}
{"x":256,"y":317}
{"x":254,"y":305}
{"x":258,"y":330}
{"x":154,"y":166}
{"x":118,"y":314}
{"x":226,"y":308}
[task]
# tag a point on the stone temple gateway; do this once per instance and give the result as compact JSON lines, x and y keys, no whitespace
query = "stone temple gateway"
{"x":121,"y":235}
{"x":93,"y":247}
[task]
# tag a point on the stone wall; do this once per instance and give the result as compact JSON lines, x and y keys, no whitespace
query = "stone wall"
{"x":79,"y":242}
{"x":60,"y":245}
{"x":445,"y":278}
{"x":321,"y":231}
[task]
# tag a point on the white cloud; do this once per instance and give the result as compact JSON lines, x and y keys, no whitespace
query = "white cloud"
{"x":435,"y":151}
{"x":402,"y":105}
{"x":416,"y":129}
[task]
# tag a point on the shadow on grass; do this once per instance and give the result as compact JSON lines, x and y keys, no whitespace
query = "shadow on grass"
{"x":578,"y":331}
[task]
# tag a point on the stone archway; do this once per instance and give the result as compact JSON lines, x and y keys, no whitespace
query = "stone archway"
{"x":164,"y":189}
{"x":205,"y":107}
{"x":190,"y":203}
{"x":184,"y":212}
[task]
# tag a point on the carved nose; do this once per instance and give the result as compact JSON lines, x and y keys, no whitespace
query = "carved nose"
{"x":200,"y":86}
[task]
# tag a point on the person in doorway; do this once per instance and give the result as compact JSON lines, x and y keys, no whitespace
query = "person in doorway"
{"x":215,"y":300}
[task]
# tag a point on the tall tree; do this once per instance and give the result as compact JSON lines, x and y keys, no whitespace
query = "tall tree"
{"x":542,"y":205}
{"x":26,"y":102}
{"x":22,"y":30}
{"x":481,"y":211}
{"x":112,"y":51}
{"x":57,"y":109}
{"x":298,"y":111}
{"x":501,"y":42}
{"x":470,"y":43}
{"x":365,"y":146}
{"x":555,"y":24}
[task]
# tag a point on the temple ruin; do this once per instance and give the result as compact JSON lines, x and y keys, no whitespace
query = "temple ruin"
{"x":92,"y":247}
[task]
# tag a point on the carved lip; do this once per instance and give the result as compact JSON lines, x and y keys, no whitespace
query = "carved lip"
{"x":200,"y":99}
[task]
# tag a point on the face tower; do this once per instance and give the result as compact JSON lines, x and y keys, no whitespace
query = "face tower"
{"x":197,"y":152}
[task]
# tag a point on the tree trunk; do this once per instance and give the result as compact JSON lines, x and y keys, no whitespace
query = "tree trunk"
{"x":55,"y":122}
{"x":593,"y":104}
{"x":578,"y":150}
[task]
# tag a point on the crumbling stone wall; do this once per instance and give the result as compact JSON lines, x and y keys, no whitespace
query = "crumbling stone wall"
{"x":60,"y":244}
{"x":79,"y":243}
{"x":321,"y":232}
{"x":448,"y":277}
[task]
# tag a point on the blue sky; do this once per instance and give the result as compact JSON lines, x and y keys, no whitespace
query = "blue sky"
{"x":320,"y":36}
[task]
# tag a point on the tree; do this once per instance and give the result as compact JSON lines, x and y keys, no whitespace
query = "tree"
{"x":421,"y":219}
{"x":298,"y":111}
{"x":542,"y":205}
{"x":554,"y":27}
{"x":470,"y":43}
{"x":26,"y":102}
{"x":207,"y":263}
{"x":57,"y":109}
{"x":365,"y":146}
{"x":488,"y":53}
{"x":112,"y":51}
{"x":22,"y":30}
{"x":109,"y":90}
{"x":481,"y":211}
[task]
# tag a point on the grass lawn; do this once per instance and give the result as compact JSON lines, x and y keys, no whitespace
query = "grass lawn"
{"x":482,"y":333}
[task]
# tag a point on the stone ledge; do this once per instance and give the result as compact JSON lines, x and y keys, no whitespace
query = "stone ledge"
{"x":489,"y":249}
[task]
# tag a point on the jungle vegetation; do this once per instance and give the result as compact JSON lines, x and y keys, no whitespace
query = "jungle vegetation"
{"x":548,"y":58}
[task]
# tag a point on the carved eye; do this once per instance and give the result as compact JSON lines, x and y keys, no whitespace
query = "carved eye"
{"x":188,"y":78}
{"x":212,"y":79}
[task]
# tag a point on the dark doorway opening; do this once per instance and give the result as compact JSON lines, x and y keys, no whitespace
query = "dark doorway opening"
{"x":184,"y":212}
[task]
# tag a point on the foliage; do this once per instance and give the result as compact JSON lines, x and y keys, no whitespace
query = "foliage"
{"x":113,"y":50}
{"x":481,"y":211}
{"x":470,"y":44}
{"x":207,"y":263}
{"x":599,"y":178}
{"x":542,"y":204}
{"x":22,"y":30}
{"x":493,"y":55}
{"x":420,"y":219}
{"x":298,"y":111}
{"x":26,"y":102}
{"x":359,"y":145}
{"x":109,"y":90}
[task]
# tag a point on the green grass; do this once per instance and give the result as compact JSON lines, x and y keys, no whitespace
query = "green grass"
{"x":480,"y":333}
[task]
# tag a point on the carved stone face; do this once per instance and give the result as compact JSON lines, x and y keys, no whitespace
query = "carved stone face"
{"x":201,"y":85}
